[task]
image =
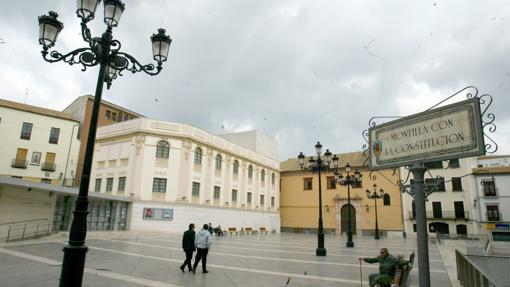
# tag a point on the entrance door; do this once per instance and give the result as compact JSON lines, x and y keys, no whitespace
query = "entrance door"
{"x":344,"y":211}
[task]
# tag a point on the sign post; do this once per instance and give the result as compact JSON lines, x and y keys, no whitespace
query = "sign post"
{"x":449,"y":132}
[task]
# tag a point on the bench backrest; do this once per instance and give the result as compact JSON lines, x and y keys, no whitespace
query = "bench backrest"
{"x":262,"y":228}
{"x":248,"y":228}
{"x":411,"y":258}
{"x":232,"y":229}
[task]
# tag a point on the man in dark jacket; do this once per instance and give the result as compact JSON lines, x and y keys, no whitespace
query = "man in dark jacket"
{"x":188,"y":245}
{"x":387,"y":266}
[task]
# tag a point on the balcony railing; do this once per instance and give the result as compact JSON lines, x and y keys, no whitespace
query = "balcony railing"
{"x":493,"y":216}
{"x":445,"y":215}
{"x":46,"y":166}
{"x":19,"y":163}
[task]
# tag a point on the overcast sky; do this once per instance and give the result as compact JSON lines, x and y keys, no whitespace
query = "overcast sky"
{"x":300,"y":71}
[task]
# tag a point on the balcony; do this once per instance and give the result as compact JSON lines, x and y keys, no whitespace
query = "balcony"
{"x":46,"y":166}
{"x":445,"y":215}
{"x":19,"y":163}
{"x":493,"y":216}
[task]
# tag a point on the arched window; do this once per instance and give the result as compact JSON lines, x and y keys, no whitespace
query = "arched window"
{"x":235,"y":167}
{"x":263,"y":175}
{"x":162,"y":149}
{"x":386,"y":199}
{"x":198,"y":156}
{"x":218,"y":162}
{"x":273,"y":177}
{"x":250,"y":171}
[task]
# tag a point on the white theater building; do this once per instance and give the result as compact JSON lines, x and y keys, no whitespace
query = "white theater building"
{"x":176,"y":174}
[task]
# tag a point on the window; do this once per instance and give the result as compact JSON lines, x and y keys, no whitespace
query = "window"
{"x":272,"y":201}
{"x":493,"y":213}
{"x":119,"y":118}
{"x":356,"y":183}
{"x":413,"y":207}
{"x":431,"y":183}
{"x":235,"y":167}
{"x":46,"y":180}
{"x":54,"y":133}
{"x":198,"y":156}
{"x":331,"y":182}
{"x":217,"y":190}
{"x":248,"y":198}
{"x":26,"y":131}
{"x":459,"y":209}
{"x":109,"y":184}
{"x":434,"y":165}
{"x":454,"y":163}
{"x":250,"y":171}
{"x":273,"y":178}
{"x":126,"y":117}
{"x":162,"y":149}
{"x":489,"y":188}
{"x":262,"y":200}
{"x":307,"y":183}
{"x":114,"y":117}
{"x":107,"y":114}
{"x":122,"y":183}
{"x":195,"y":189}
{"x":437,"y":211}
{"x":218,"y":162}
{"x":263,"y":175}
{"x":159,"y":185}
{"x":456,"y":184}
{"x":386,"y":199}
{"x":234,"y":195}
{"x":97,"y":187}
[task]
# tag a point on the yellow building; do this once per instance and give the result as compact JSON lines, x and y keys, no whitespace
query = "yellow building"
{"x":299,"y":199}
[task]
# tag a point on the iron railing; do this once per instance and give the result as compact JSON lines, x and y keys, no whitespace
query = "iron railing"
{"x":28,"y":230}
{"x":445,"y":215}
{"x":482,"y":270}
{"x":19,"y":163}
{"x":48,"y":166}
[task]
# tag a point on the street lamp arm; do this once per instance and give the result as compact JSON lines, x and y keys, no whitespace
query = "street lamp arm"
{"x":85,"y":32}
{"x":132,"y":64}
{"x":83,"y":56}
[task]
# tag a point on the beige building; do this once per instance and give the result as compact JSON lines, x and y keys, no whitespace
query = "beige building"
{"x":109,"y":113}
{"x":177,"y":174}
{"x":299,"y":199}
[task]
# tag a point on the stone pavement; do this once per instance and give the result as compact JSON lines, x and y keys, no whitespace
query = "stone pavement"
{"x":153,"y":259}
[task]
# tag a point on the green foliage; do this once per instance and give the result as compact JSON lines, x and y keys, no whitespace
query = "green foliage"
{"x":401,"y":263}
{"x":384,"y":281}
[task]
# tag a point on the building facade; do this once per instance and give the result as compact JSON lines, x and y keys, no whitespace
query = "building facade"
{"x":491,"y":195}
{"x":176,"y":173}
{"x":109,"y":113}
{"x":300,"y":199}
{"x":449,"y":209}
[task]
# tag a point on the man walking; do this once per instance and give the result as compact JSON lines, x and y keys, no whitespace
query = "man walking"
{"x":188,"y":245}
{"x":386,"y":265}
{"x":202,"y":243}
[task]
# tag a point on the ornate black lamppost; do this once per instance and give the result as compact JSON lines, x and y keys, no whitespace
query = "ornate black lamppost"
{"x":105,"y":52}
{"x":348,"y":181}
{"x":318,"y":165}
{"x":375,"y":195}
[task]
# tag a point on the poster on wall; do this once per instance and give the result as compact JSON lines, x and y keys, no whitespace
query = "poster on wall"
{"x":158,"y":213}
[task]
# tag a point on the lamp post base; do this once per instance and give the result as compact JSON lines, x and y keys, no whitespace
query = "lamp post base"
{"x":349,"y":244}
{"x":377,"y":237}
{"x":320,"y":251}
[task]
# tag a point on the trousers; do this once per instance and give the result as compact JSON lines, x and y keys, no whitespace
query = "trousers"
{"x":187,"y":262}
{"x":201,"y":255}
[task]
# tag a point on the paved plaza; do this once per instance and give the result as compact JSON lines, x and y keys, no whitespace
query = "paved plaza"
{"x":149,"y":259}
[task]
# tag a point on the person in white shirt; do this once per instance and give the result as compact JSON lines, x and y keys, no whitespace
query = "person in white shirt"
{"x":203,"y":241}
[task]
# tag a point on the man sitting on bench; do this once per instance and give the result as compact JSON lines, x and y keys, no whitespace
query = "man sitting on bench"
{"x":386,"y":265}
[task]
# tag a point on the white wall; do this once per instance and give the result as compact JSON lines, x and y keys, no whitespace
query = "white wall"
{"x":10,"y":129}
{"x":184,"y":214}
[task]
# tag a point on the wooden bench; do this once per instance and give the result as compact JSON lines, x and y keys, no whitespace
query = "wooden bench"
{"x":248,"y":230}
{"x":263,"y":230}
{"x":401,"y":278}
{"x":232,"y":230}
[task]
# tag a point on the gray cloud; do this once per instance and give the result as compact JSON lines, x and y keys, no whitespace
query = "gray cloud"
{"x":301,"y":71}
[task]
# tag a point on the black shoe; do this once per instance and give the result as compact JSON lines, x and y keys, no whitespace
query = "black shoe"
{"x":182,"y":269}
{"x":194,"y":270}
{"x":205,"y":271}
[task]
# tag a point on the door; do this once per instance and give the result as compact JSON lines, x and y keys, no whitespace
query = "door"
{"x":21,"y":154}
{"x":437,"y":211}
{"x":459,"y":209}
{"x":344,"y":211}
{"x":50,"y":158}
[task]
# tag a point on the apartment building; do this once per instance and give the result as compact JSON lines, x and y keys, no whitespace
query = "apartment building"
{"x":176,"y":174}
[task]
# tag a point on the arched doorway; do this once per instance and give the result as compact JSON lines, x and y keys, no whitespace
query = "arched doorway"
{"x":344,"y":211}
{"x":439,"y":227}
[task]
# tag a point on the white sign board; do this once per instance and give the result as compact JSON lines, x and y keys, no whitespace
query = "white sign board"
{"x":453,"y":131}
